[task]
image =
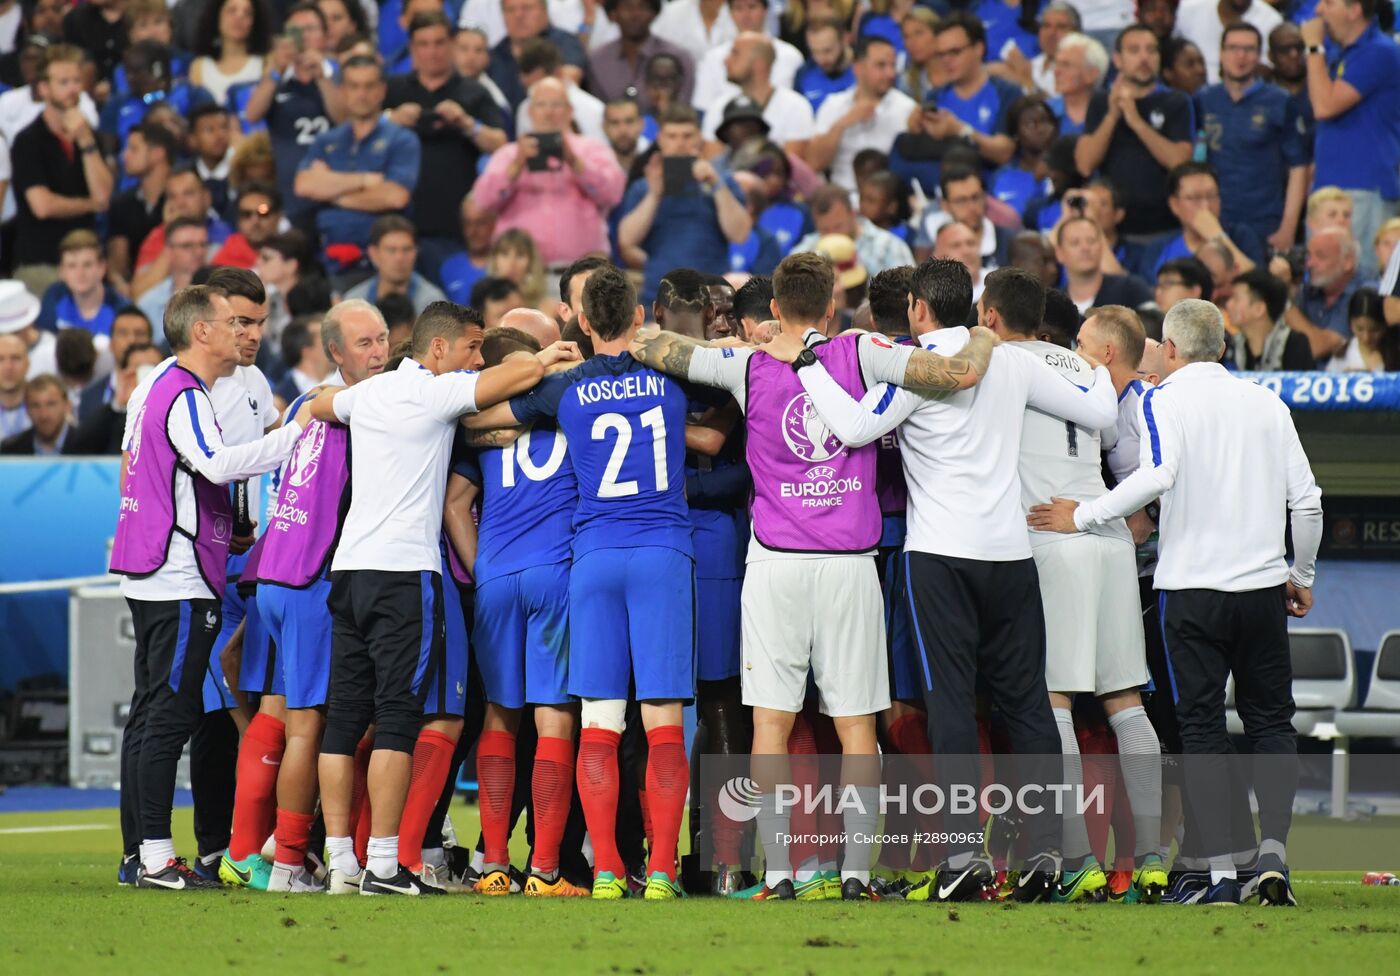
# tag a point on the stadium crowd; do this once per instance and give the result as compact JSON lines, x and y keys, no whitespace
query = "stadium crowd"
{"x":177,"y":168}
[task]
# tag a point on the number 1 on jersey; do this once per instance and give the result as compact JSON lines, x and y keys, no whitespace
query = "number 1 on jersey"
{"x":654,"y":418}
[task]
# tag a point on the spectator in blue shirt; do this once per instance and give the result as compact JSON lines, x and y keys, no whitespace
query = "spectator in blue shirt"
{"x":462,"y":270}
{"x":357,"y":171}
{"x":1319,"y":308}
{"x":150,"y":80}
{"x":1290,"y":70}
{"x":675,"y":219}
{"x":1193,"y":194}
{"x":1252,"y":140}
{"x":1353,"y":94}
{"x":972,"y":105}
{"x":81,"y":297}
{"x":526,"y":19}
{"x":1009,"y":22}
{"x":1034,"y":128}
{"x":828,"y":70}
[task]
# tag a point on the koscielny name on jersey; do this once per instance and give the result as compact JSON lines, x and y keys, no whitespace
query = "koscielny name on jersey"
{"x":621,"y":388}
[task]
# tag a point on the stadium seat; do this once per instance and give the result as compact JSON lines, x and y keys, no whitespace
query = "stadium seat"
{"x":1324,"y":682}
{"x":1379,"y":716}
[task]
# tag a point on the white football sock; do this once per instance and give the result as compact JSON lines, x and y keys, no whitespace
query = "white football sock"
{"x":341,"y":851}
{"x":1140,"y":754}
{"x":1222,"y":866}
{"x":860,"y":821}
{"x":773,"y":831}
{"x":807,"y":870}
{"x":156,"y":854}
{"x":382,"y":858}
{"x":1076,"y":834}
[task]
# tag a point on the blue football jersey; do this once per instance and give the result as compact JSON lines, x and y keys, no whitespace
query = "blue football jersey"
{"x":625,"y":425}
{"x":528,"y":498}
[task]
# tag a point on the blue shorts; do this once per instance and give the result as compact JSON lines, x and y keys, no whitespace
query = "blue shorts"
{"x":447,"y":691}
{"x":906,"y":667}
{"x":717,"y":631}
{"x":299,"y":624}
{"x":632,"y":616}
{"x":217,"y":693}
{"x":522,"y":636}
{"x":258,"y":673}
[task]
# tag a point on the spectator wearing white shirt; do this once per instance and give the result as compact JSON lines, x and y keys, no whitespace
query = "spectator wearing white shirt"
{"x":749,"y":68}
{"x":869,"y":116}
{"x":1223,"y":455}
{"x":1202,"y":22}
{"x":570,"y":15}
{"x":1058,"y":20}
{"x":695,"y":25}
{"x":712,"y":75}
{"x":540,"y":59}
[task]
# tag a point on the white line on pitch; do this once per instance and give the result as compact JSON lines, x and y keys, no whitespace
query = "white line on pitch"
{"x":58,"y":829}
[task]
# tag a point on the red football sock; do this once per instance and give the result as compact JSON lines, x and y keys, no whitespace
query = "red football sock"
{"x":668,"y":779}
{"x":293,"y":836}
{"x":645,"y":805}
{"x":597,"y":790}
{"x":909,"y":735}
{"x":255,"y":797}
{"x":432,"y":755}
{"x":495,"y":776}
{"x":552,"y":789}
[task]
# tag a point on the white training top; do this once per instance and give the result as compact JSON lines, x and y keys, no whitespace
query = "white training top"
{"x":401,"y":425}
{"x":243,"y":404}
{"x":243,"y":410}
{"x":961,"y":454}
{"x":195,"y":433}
{"x":1225,"y":458}
{"x":1059,"y":458}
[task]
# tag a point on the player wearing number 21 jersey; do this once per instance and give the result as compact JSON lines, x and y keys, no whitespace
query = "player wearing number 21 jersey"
{"x":632,"y":583}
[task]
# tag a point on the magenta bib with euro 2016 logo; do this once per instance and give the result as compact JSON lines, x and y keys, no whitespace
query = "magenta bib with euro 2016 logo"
{"x":148,"y":517}
{"x":811,"y":492}
{"x":305,"y":523}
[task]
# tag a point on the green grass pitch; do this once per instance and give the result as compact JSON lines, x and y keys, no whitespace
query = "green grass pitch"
{"x":61,"y":912}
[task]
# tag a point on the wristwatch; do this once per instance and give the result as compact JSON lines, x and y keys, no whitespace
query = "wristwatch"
{"x":804,"y":358}
{"x":1316,"y":49}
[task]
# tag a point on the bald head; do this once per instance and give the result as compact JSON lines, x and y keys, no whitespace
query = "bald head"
{"x":533,"y":323}
{"x":1151,"y":366}
{"x":550,"y":110}
{"x":751,"y":56}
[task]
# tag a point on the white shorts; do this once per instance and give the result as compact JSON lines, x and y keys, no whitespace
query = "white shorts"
{"x":1093,"y":615}
{"x":825,"y":614}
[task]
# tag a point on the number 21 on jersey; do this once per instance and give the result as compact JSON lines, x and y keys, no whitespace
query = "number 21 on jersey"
{"x":620,"y":427}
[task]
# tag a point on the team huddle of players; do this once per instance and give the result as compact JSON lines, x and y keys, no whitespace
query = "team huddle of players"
{"x":591,"y":515}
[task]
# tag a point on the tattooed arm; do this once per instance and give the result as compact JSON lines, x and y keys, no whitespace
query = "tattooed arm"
{"x":725,"y":366}
{"x":666,"y":352}
{"x":495,"y":437}
{"x":936,"y":377}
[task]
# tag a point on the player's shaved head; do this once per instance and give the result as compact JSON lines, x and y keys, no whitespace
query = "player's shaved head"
{"x":501,"y":341}
{"x":609,"y":304}
{"x":1120,"y":327}
{"x":532,"y":322}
